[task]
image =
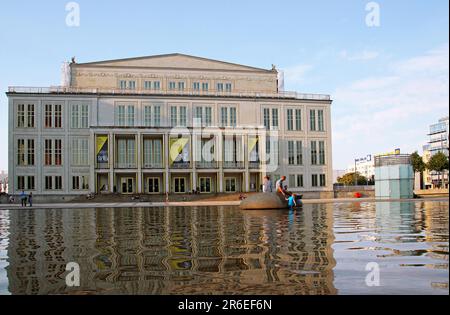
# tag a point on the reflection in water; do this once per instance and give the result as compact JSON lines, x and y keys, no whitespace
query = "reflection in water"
{"x":203,"y":250}
{"x":409,"y":241}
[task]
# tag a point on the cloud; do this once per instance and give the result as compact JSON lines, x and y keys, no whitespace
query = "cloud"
{"x":359,"y":56}
{"x":296,"y":74}
{"x":381,"y":112}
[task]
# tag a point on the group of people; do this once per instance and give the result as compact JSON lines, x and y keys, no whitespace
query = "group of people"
{"x":24,"y":199}
{"x":292,"y":199}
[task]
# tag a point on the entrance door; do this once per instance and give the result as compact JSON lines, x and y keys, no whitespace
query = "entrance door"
{"x":180,"y":185}
{"x":153,"y":185}
{"x":230,"y":184}
{"x":205,"y":184}
{"x":127,"y":185}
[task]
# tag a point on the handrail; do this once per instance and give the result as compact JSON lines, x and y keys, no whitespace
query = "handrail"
{"x":186,"y":92}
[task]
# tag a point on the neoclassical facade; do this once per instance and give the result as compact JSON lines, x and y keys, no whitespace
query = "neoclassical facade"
{"x":169,"y":123}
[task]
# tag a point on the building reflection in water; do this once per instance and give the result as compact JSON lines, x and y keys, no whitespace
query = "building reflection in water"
{"x":173,"y":251}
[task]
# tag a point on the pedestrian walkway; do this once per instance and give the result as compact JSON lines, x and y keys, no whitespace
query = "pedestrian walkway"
{"x":193,"y":203}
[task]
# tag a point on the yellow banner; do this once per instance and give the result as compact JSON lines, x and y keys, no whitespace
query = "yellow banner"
{"x":101,"y":140}
{"x":176,"y":148}
{"x":252,"y":144}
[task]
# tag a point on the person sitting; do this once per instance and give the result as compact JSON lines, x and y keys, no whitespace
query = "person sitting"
{"x":280,"y":188}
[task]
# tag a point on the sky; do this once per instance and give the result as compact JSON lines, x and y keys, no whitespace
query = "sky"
{"x":388,"y":74}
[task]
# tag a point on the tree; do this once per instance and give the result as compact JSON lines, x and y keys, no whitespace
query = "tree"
{"x":349,"y":179}
{"x":438,"y":163}
{"x":418,"y":165}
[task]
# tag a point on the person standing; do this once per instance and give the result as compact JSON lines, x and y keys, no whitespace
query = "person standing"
{"x":23,"y":199}
{"x":30,"y":199}
{"x":267,"y":185}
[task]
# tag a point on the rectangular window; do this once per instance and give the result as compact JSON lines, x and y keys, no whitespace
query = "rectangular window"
{"x":30,"y":152}
{"x":290,"y":119}
{"x":48,"y":151}
{"x":21,"y":152}
{"x":147,"y":116}
{"x":291,"y":181}
{"x":208,"y":116}
{"x":58,"y":152}
{"x":30,"y":116}
{"x":267,"y":118}
{"x":172,"y":85}
{"x":233,"y":117}
{"x":205,"y":184}
{"x":58,"y":116}
{"x":180,"y":185}
{"x":230,"y":185}
{"x":126,"y":157}
{"x":312,"y":120}
{"x":299,"y":152}
{"x":181,"y":86}
{"x":205,"y":87}
{"x":80,"y":152}
{"x":291,"y":156}
{"x":157,"y":116}
{"x":80,"y":182}
{"x":147,"y":85}
{"x":48,"y":116}
{"x":125,"y":115}
{"x":224,"y":116}
{"x":157,"y":85}
{"x":31,"y":183}
{"x":48,"y":183}
{"x":153,"y":185}
{"x":298,"y":119}
{"x":228,"y":87}
{"x":199,"y":115}
{"x":123,"y":84}
{"x":183,"y":116}
{"x":300,"y":180}
{"x":21,"y":182}
{"x":220,"y":87}
{"x":79,"y":116}
{"x":313,"y":153}
{"x":153,"y":153}
{"x":58,"y":183}
{"x":196,"y":86}
{"x":314,"y":180}
{"x":21,"y":116}
{"x":321,"y":152}
{"x":321,"y":120}
{"x":131,"y":85}
{"x":275,"y":122}
{"x":173,"y":116}
{"x":322,"y":180}
{"x":130,"y":116}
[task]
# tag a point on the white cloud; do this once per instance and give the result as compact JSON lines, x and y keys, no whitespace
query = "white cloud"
{"x":359,"y":56}
{"x":382,"y":112}
{"x":296,"y":74}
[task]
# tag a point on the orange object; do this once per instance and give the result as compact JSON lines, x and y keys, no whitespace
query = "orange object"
{"x":358,"y":195}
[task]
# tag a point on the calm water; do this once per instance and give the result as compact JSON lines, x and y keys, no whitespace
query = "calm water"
{"x":322,"y":249}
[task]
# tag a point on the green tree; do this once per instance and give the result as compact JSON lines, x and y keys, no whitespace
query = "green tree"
{"x":349,"y":179}
{"x":438,"y":163}
{"x":418,"y":165}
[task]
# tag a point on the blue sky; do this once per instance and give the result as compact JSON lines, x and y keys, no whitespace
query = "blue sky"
{"x":388,"y":82}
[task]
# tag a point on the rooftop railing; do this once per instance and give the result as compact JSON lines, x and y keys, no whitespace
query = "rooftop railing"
{"x":186,"y":92}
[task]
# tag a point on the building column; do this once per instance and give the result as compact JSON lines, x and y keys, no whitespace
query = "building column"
{"x":139,"y":163}
{"x":219,"y":158}
{"x":111,"y":162}
{"x":166,"y":161}
{"x":93,"y":166}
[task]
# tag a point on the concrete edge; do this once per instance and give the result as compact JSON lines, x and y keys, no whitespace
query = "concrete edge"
{"x":199,"y":203}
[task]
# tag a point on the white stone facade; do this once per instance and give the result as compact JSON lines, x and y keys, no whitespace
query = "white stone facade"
{"x":57,"y":135}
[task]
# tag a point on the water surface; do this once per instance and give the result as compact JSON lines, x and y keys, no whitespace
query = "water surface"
{"x":321,"y":249}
